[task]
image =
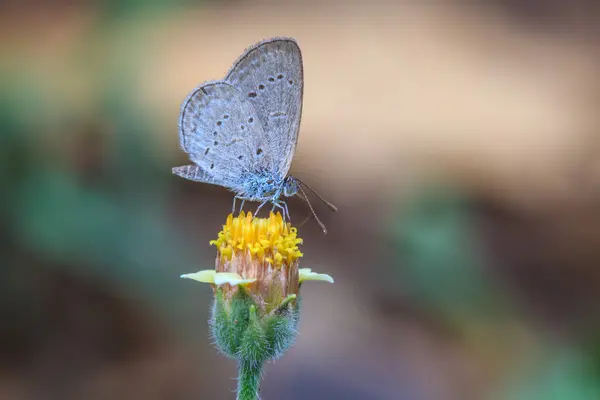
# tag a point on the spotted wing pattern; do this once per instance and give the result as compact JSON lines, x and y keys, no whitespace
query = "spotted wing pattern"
{"x":222,"y":133}
{"x":269,"y":76}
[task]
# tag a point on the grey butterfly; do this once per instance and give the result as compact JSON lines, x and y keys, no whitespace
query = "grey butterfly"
{"x":241,"y":132}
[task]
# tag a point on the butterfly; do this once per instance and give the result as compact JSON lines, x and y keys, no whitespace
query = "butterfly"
{"x":241,"y":132}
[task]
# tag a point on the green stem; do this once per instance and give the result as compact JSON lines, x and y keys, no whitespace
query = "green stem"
{"x":248,"y":380}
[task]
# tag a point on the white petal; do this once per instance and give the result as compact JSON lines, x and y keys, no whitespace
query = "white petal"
{"x":307,"y":275}
{"x":204,"y":276}
{"x":231,"y":278}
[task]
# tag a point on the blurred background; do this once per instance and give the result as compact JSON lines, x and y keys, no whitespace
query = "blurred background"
{"x":460,"y":140}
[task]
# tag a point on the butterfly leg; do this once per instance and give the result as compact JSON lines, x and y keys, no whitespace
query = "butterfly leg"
{"x":282,"y":204}
{"x":276,"y":204}
{"x":286,"y":210}
{"x":259,"y":207}
{"x":243,"y":199}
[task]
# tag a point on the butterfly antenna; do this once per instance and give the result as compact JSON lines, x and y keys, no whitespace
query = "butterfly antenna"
{"x":301,"y":224}
{"x":309,"y":214}
{"x":321,"y":224}
{"x":329,"y":204}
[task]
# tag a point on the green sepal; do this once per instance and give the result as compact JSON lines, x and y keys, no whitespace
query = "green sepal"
{"x":240,"y":331}
{"x":280,"y":334}
{"x":221,"y":330}
{"x":239,"y":319}
{"x":229,"y":321}
{"x":281,"y":327}
{"x":254,"y":348}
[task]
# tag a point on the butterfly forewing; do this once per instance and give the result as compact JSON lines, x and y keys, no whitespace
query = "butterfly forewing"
{"x":270,"y":77}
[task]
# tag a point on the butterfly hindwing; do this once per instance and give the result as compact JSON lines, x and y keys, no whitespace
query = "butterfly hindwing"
{"x":222,"y":133}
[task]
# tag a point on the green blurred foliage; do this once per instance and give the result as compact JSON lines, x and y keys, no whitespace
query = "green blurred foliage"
{"x":83,"y":198}
{"x":440,"y":263}
{"x":561,"y":374}
{"x":442,"y":269}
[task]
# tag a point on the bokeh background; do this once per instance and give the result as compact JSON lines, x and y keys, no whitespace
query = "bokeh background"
{"x":460,"y":140}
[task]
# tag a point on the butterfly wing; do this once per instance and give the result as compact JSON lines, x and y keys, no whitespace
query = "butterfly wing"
{"x":193,"y":173}
{"x":222,"y":134}
{"x":269,"y":75}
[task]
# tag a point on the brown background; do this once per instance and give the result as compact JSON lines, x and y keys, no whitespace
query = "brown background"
{"x":459,"y":140}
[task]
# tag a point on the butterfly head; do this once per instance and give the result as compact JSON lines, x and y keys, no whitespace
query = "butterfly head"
{"x":290,"y":186}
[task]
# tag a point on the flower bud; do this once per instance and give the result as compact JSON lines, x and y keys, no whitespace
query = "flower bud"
{"x":256,"y":282}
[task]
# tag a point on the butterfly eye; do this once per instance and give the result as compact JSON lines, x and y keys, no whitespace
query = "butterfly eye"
{"x":269,"y":181}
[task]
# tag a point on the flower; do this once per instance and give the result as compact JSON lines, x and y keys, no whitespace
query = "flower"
{"x":260,"y":254}
{"x":256,"y":282}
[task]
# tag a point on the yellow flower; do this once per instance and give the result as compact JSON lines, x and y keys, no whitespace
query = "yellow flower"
{"x":260,"y":254}
{"x":265,"y":238}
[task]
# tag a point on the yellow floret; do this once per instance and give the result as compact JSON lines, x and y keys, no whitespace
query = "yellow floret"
{"x":269,"y":239}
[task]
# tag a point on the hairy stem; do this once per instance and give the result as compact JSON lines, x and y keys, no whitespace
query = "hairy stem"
{"x":248,"y":380}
